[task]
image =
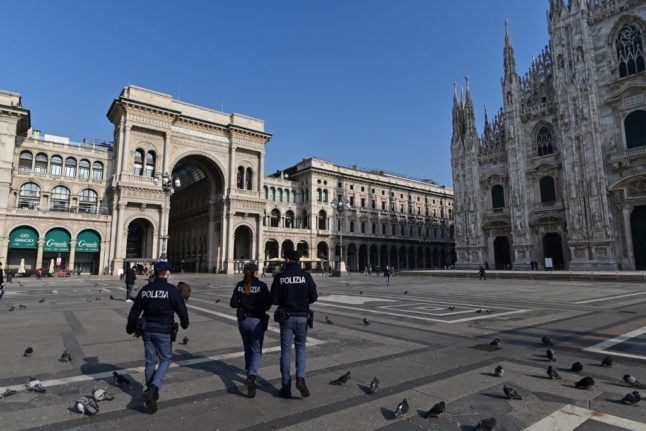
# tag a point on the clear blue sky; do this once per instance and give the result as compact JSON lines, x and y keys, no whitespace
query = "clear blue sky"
{"x":355,"y":82}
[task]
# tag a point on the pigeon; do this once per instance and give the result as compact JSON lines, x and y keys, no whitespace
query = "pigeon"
{"x":97,"y":298}
{"x":632,"y":398}
{"x":402,"y":408}
{"x":632,"y":381}
{"x":608,"y":361}
{"x":20,"y":283}
{"x":217,"y":300}
{"x":120,"y":379}
{"x":551,"y":356}
{"x":22,"y":307}
{"x":361,"y":292}
{"x":436,"y":410}
{"x":547,"y":341}
{"x":112,"y":297}
{"x":495,"y":342}
{"x":405,"y":292}
{"x":552,"y":373}
{"x":511,"y":393}
{"x":12,"y":308}
{"x":577,"y":367}
{"x":328,"y":321}
{"x":28,"y":351}
{"x":499,"y":371}
{"x":343,"y":379}
{"x":5,"y":392}
{"x":488,"y":424}
{"x":585,"y":383}
{"x":89,"y":300}
{"x":102,"y":395}
{"x":479,"y":311}
{"x":347,"y":284}
{"x":185,"y":340}
{"x":65,"y":357}
{"x":86,"y":406}
{"x":34,"y":385}
{"x":40,"y":301}
{"x":374,"y":385}
{"x":365,"y":321}
{"x":451,"y":308}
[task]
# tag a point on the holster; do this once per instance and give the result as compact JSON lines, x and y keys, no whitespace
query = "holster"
{"x":265,"y":321}
{"x":280,"y":315}
{"x":310,"y":319}
{"x":174,"y":331}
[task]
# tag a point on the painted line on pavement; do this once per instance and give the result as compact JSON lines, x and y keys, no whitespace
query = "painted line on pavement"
{"x":608,"y":298}
{"x":570,"y":417}
{"x":605,"y":345}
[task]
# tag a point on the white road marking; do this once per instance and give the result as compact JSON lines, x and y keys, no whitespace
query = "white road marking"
{"x":608,"y":298}
{"x":54,"y":291}
{"x":570,"y":417}
{"x":605,"y":345}
{"x":351,"y":299}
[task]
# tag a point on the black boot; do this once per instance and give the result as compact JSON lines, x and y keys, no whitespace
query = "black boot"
{"x":302,"y":387}
{"x":251,"y":386}
{"x":151,"y":395}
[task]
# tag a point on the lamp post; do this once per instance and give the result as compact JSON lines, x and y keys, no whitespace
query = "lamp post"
{"x":167,"y":183}
{"x":340,"y":207}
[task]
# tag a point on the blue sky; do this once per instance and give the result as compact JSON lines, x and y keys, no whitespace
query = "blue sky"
{"x":356,"y":82}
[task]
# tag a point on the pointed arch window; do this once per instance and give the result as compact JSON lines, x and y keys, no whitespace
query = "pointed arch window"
{"x":240,"y":178}
{"x":548,"y":191}
{"x":630,"y":51}
{"x":497,"y":196}
{"x":635,"y":127}
{"x":249,"y":179}
{"x":544,"y":141}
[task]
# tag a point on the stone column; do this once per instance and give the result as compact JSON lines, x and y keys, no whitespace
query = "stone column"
{"x":4,"y":253}
{"x":630,"y":252}
{"x":39,"y":253}
{"x":166,"y":154}
{"x":70,"y":265}
{"x":102,"y":262}
{"x":212,"y":243}
{"x":123,"y":149}
{"x":118,"y":232}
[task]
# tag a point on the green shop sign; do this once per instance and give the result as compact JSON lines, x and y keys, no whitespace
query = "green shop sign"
{"x":23,"y":237}
{"x":57,"y":240}
{"x":88,"y":241}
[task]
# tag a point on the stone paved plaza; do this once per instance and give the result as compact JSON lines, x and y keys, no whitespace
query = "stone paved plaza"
{"x":418,"y":348}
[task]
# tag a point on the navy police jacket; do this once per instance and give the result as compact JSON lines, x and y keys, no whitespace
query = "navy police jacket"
{"x":158,"y":301}
{"x":294,"y":290}
{"x":254,"y":304}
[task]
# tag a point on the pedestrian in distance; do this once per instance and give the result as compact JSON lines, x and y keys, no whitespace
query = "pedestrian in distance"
{"x":39,"y":273}
{"x":1,"y":281}
{"x":130,"y":277}
{"x":159,"y":301}
{"x":483,"y":275}
{"x":293,"y":290}
{"x":387,"y":275}
{"x":252,"y":300}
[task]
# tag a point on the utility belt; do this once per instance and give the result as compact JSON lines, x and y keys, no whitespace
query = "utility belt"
{"x":157,"y":328}
{"x":264,"y":317}
{"x":281,"y":315}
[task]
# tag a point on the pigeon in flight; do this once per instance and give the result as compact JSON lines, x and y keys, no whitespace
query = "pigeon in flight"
{"x":632,"y":398}
{"x":343,"y":379}
{"x":365,"y":321}
{"x":34,"y":385}
{"x":5,"y":392}
{"x":632,"y":381}
{"x":608,"y":361}
{"x":402,"y":408}
{"x":28,"y":351}
{"x":120,"y":379}
{"x":436,"y":410}
{"x":547,"y":341}
{"x":40,"y":301}
{"x":577,"y":367}
{"x":499,"y":371}
{"x":102,"y":395}
{"x":585,"y":383}
{"x":488,"y":424}
{"x":551,"y":356}
{"x":495,"y":342}
{"x":511,"y":393}
{"x":65,"y":357}
{"x":185,"y":340}
{"x":552,"y":373}
{"x":328,"y":321}
{"x":374,"y":385}
{"x":86,"y":406}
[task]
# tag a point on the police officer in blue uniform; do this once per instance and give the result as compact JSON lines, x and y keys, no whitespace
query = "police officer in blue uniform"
{"x":293,"y":290}
{"x":159,"y":301}
{"x":251,"y":298}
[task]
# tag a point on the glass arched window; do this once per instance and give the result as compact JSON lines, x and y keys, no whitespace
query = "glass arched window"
{"x":322,"y":220}
{"x":305,"y":220}
{"x":249,"y":179}
{"x":289,"y":219}
{"x":97,"y":171}
{"x":544,"y":141}
{"x":87,"y":201}
{"x":318,"y":195}
{"x":497,"y":196}
{"x":60,"y":200}
{"x":293,"y":197}
{"x":84,"y":169}
{"x":70,"y":167}
{"x":240,"y":178}
{"x":139,"y":162}
{"x":41,"y":163}
{"x":25,"y":161}
{"x":279,"y":195}
{"x":635,"y":127}
{"x":351,"y":226}
{"x":272,"y":194}
{"x":266,"y":193}
{"x":286,"y":195}
{"x":630,"y":51}
{"x":29,"y":196}
{"x":302,"y":195}
{"x":275,"y":217}
{"x":56,"y":165}
{"x":548,"y":191}
{"x":324,"y":195}
{"x":150,"y":163}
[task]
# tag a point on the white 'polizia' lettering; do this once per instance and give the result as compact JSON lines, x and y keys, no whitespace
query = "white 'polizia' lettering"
{"x":292,"y":280}
{"x":153,"y":294}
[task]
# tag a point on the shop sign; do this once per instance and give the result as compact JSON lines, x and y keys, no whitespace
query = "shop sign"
{"x":88,"y":241}
{"x":23,"y":237}
{"x":57,"y":240}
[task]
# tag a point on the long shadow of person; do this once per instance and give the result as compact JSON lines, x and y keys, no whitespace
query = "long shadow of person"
{"x":130,"y":387}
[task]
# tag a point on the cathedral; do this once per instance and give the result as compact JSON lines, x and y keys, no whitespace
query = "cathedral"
{"x":557,"y":178}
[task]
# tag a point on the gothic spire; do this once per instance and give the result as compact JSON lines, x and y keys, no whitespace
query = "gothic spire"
{"x":456,"y":107}
{"x":556,"y":6}
{"x":510,"y":60}
{"x":469,"y":115}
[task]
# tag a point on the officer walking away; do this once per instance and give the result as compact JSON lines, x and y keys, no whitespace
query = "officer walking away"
{"x":130,"y":278}
{"x":158,"y":301}
{"x":293,"y":290}
{"x":482,"y":273}
{"x":252,"y":300}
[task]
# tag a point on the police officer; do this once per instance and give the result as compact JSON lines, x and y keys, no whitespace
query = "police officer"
{"x":293,"y":290}
{"x":251,"y":298}
{"x":158,"y":301}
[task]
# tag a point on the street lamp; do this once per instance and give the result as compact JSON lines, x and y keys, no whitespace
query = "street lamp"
{"x":340,"y":207}
{"x":167,"y":184}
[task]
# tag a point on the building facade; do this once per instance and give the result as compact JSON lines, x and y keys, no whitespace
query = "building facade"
{"x":186,"y":183}
{"x":558,"y":176}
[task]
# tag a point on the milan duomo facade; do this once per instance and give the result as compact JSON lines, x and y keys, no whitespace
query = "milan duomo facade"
{"x":558,"y":175}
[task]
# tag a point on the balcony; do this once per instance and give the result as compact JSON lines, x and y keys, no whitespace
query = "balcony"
{"x":60,"y":211}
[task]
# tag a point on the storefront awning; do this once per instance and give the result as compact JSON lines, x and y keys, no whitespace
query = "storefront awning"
{"x":88,"y":241}
{"x":57,"y":240}
{"x":24,"y":237}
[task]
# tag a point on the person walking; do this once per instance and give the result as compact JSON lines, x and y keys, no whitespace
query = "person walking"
{"x":130,"y":277}
{"x":293,"y":290}
{"x":483,"y":275}
{"x":1,"y":281}
{"x":159,"y":301}
{"x":387,"y":275}
{"x":252,"y":300}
